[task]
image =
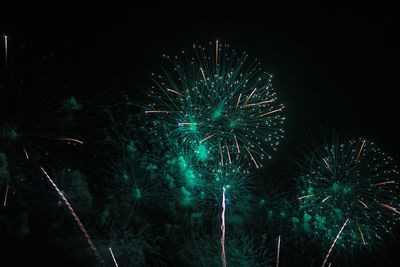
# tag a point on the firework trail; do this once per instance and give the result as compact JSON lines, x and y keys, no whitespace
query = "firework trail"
{"x":278,"y":252}
{"x":334,"y":242}
{"x":77,"y":220}
{"x":223,"y":256}
{"x":113,"y":257}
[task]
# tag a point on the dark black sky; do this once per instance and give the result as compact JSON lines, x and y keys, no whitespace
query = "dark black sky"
{"x":336,"y":68}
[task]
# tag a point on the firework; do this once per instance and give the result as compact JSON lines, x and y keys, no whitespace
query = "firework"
{"x":217,"y":101}
{"x":354,"y":180}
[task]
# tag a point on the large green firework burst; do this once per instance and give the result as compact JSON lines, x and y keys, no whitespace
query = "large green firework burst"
{"x":218,"y":101}
{"x":352,"y":180}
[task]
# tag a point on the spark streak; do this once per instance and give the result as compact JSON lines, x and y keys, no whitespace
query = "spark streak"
{"x":270,"y":112}
{"x":362,"y":203}
{"x":307,"y":196}
{"x":390,"y":208}
{"x":26,"y":153}
{"x":223,"y":256}
{"x":71,"y":140}
{"x":251,"y":94}
{"x":384,"y":183}
{"x":156,"y":111}
{"x":325,"y":199}
{"x":208,"y":137}
{"x":361,"y":233}
{"x":278,"y":252}
{"x":257,"y":104}
{"x":6,"y":49}
{"x":238,"y":101}
{"x":222,"y":156}
{"x":216,"y":53}
{"x":175,"y":92}
{"x":113,"y":257}
{"x":327,"y":164}
{"x":252,"y":158}
{"x":359,"y":152}
{"x":72,"y":211}
{"x":202,"y":73}
{"x":237,"y":145}
{"x":229,"y":154}
{"x":6,"y":196}
{"x":334,"y":242}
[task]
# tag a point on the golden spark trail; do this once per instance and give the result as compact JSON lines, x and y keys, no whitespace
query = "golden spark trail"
{"x":390,"y":208}
{"x":249,"y":96}
{"x":26,"y":153}
{"x":359,"y":152}
{"x":270,"y":112}
{"x":208,"y":137}
{"x":361,"y":233}
{"x":6,"y":49}
{"x":229,"y":155}
{"x":156,"y":111}
{"x":384,"y":183}
{"x":238,"y":101}
{"x":175,"y":92}
{"x":251,"y":156}
{"x":237,"y":145}
{"x":6,"y":196}
{"x":327,"y":164}
{"x":70,"y":139}
{"x":362,"y":203}
{"x":334,"y":242}
{"x":257,"y":104}
{"x":216,"y":53}
{"x":204,"y":76}
{"x":222,"y":156}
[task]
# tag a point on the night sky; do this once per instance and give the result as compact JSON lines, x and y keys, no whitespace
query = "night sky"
{"x":335,"y":69}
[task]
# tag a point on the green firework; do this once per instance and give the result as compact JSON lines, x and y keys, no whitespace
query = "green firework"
{"x":220,"y":103}
{"x":353,"y":180}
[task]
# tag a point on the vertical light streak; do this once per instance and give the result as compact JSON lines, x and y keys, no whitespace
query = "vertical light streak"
{"x":334,"y":242}
{"x":278,"y":252}
{"x":113,"y":257}
{"x":216,"y":53}
{"x":223,"y":256}
{"x":6,"y":49}
{"x":72,"y":211}
{"x":222,"y":156}
{"x":6,"y":196}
